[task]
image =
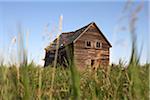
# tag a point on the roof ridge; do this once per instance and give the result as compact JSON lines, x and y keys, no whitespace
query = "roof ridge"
{"x":69,"y":37}
{"x":79,"y":28}
{"x":84,"y":26}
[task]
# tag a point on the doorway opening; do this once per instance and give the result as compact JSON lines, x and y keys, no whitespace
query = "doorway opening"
{"x":92,"y":62}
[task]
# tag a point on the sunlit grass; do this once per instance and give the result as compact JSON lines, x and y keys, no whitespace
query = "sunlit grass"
{"x":29,"y":81}
{"x":35,"y":83}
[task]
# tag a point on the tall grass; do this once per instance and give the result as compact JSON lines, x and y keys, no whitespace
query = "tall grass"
{"x":35,"y":83}
{"x":29,"y":81}
{"x":56,"y":57}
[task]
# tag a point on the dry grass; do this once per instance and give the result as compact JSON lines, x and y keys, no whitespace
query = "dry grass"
{"x":35,"y":83}
{"x":29,"y":81}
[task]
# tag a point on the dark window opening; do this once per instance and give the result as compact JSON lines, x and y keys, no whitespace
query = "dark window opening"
{"x":92,"y":62}
{"x":88,"y":43}
{"x":98,"y":44}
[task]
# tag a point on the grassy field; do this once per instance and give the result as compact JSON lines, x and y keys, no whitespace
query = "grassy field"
{"x":28,"y":81}
{"x":31,"y":82}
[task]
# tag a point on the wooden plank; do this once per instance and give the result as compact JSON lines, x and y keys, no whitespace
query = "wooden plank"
{"x":83,"y":55}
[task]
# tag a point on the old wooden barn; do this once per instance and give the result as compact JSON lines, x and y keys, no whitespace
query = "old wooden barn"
{"x":86,"y":46}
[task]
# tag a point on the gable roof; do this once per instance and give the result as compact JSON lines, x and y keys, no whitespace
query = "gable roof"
{"x":69,"y":37}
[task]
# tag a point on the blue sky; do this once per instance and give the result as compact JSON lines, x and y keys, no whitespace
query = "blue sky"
{"x":41,"y":20}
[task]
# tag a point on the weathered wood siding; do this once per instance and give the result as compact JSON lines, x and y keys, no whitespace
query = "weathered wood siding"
{"x":83,"y":55}
{"x":64,"y":57}
{"x":49,"y":57}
